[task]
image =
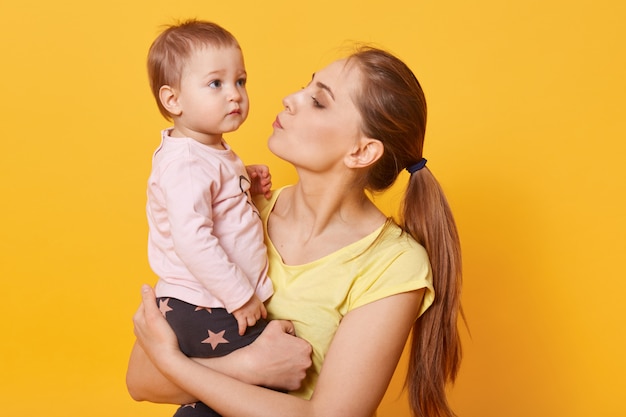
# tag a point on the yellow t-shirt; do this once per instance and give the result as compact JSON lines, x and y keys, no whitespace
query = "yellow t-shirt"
{"x":315,"y":296}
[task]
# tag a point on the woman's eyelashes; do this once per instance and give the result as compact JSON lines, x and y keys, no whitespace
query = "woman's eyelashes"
{"x":316,"y":103}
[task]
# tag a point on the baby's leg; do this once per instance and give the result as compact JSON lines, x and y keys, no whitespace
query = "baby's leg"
{"x":205,"y":333}
{"x":195,"y":410}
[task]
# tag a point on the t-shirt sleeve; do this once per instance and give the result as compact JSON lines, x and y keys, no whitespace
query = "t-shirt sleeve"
{"x":392,"y":271}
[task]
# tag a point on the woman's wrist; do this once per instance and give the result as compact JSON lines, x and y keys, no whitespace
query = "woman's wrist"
{"x":236,"y":365}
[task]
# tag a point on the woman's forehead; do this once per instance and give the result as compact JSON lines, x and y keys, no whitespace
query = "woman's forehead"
{"x":335,"y":70}
{"x":341,"y":77}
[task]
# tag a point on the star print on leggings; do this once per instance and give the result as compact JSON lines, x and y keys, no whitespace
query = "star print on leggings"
{"x":192,"y":405}
{"x":164,"y":307}
{"x":215,"y":338}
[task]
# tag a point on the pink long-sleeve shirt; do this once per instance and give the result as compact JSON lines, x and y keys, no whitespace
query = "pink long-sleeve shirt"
{"x":205,"y":235}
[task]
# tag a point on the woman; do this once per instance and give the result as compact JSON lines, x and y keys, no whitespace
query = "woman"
{"x":351,"y":282}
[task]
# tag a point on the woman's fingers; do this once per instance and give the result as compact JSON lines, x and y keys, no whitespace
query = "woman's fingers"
{"x":152,"y":330}
{"x":287,"y":326}
{"x":278,"y":359}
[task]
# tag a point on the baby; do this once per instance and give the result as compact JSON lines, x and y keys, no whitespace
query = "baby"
{"x":205,"y":234}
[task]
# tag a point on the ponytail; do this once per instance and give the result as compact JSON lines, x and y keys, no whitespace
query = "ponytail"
{"x":393,"y":109}
{"x":435,"y":344}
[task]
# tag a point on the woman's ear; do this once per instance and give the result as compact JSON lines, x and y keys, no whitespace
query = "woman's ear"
{"x":169,"y":100}
{"x":365,"y":153}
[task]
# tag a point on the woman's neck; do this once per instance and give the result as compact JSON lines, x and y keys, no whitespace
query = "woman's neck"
{"x":308,"y":223}
{"x":323,"y":206}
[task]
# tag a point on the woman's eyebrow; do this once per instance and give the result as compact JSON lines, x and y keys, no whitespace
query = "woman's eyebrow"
{"x":323,"y":87}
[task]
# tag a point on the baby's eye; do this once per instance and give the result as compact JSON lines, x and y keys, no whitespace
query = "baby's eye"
{"x":215,"y":84}
{"x":242,"y":82}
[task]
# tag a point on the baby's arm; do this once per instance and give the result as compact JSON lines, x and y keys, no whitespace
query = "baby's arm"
{"x":187,"y":186}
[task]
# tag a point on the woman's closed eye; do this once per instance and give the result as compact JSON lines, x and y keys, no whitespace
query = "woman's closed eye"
{"x":316,"y":103}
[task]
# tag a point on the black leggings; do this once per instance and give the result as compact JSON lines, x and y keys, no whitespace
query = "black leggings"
{"x":205,"y":333}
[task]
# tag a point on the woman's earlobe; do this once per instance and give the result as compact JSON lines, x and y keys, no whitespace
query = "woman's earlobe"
{"x":169,"y":100}
{"x":365,"y":153}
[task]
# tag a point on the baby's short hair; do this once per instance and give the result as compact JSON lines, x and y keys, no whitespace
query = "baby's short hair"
{"x":170,"y":50}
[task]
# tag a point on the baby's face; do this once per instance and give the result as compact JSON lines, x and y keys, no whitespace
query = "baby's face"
{"x":212,"y":95}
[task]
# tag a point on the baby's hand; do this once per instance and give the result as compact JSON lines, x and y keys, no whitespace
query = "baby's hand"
{"x":261,"y":180}
{"x":249,"y":314}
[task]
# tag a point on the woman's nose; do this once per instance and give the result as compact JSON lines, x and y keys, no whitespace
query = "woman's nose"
{"x":289,"y":102}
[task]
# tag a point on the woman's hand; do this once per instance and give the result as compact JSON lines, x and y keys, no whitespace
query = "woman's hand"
{"x":154,"y":334}
{"x":276,"y":359}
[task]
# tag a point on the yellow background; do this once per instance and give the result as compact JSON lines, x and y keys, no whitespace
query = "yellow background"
{"x":526,"y":133}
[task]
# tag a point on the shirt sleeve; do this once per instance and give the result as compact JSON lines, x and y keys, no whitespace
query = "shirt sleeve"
{"x":393,"y":271}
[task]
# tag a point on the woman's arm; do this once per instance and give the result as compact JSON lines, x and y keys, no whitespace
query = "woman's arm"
{"x":355,"y":375}
{"x":363,"y":356}
{"x":146,"y":383}
{"x":276,"y":359}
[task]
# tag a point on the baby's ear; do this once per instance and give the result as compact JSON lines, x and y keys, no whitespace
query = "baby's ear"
{"x":364,"y":153}
{"x":169,"y":99}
